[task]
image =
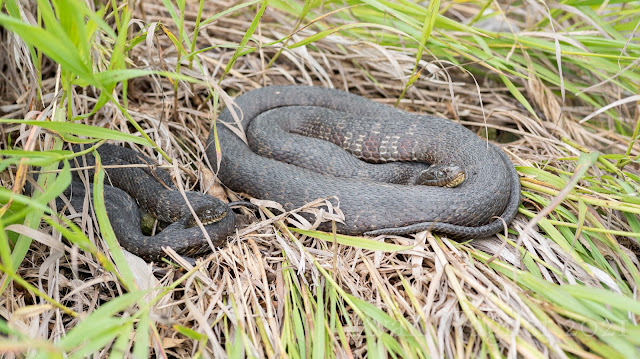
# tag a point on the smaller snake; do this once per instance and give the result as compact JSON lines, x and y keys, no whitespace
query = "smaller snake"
{"x":129,"y":189}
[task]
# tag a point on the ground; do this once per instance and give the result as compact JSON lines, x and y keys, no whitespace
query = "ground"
{"x":563,"y":283}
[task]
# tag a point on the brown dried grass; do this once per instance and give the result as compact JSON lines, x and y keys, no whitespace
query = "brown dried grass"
{"x":445,"y":290}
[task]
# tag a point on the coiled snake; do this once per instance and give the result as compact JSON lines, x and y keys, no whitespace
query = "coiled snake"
{"x":374,"y":132}
{"x":128,"y":188}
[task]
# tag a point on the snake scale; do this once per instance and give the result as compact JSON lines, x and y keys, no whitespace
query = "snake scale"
{"x":487,"y":199}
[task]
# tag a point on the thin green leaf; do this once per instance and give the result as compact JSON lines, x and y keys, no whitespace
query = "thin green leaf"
{"x":358,"y":242}
{"x":105,"y":226}
{"x":64,"y":128}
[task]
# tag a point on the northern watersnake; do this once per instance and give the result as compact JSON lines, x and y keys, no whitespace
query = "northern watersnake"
{"x":377,"y":133}
{"x":128,"y":188}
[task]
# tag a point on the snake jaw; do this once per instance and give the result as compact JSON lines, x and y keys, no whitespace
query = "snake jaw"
{"x":207,"y":215}
{"x":457,"y":180}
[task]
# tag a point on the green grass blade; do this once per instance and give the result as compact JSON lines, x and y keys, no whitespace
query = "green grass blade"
{"x":105,"y":227}
{"x":358,"y":242}
{"x":78,"y":129}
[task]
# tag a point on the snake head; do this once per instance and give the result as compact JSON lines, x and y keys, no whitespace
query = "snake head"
{"x":441,"y":175}
{"x":208,"y":214}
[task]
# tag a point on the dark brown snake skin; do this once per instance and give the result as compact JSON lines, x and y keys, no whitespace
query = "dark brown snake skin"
{"x":376,"y":133}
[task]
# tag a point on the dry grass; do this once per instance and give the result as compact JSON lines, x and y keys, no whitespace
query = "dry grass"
{"x":272,"y":291}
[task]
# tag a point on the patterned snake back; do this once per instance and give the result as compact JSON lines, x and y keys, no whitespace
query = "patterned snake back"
{"x":375,"y":133}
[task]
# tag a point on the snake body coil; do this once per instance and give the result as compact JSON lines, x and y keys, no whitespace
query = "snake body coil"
{"x":128,"y":188}
{"x":375,"y":133}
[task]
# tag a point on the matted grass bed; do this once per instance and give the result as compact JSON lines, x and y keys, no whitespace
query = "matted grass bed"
{"x":554,"y":84}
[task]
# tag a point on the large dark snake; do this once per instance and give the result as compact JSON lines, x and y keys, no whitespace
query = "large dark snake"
{"x":481,"y":206}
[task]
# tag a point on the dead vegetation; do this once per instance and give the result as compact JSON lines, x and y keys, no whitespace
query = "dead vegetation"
{"x":273,"y":292}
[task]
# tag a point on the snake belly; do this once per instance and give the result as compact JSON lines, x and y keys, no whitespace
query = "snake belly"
{"x":127,"y":189}
{"x":479,"y":207}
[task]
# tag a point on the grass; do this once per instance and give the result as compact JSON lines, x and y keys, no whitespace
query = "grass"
{"x":557,"y":87}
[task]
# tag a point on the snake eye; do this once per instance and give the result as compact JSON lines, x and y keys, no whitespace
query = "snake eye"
{"x":440,"y":173}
